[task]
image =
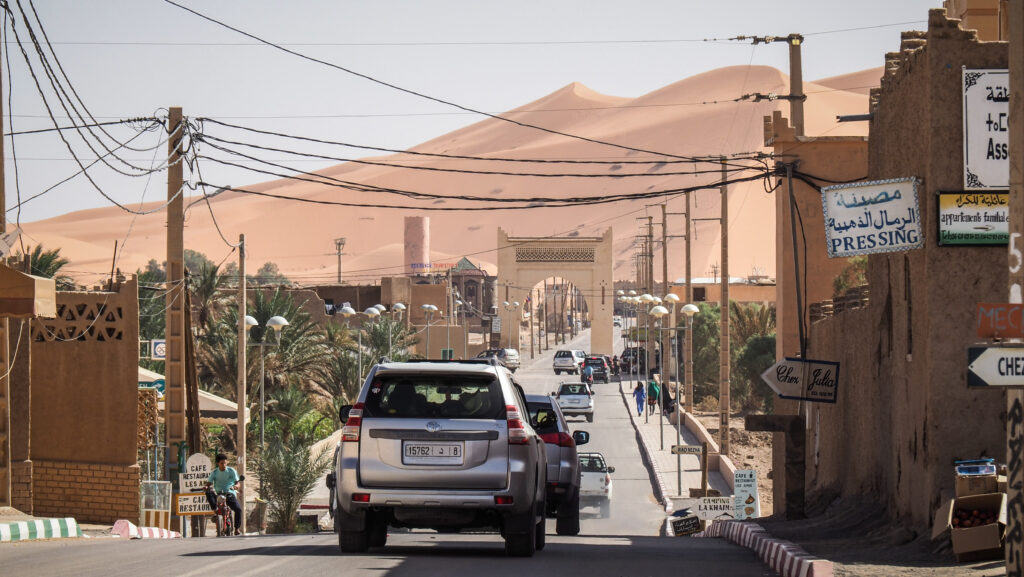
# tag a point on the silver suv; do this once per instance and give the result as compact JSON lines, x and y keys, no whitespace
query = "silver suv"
{"x":563,"y":495}
{"x":568,"y":360}
{"x":441,"y":445}
{"x":508,"y":357}
{"x":575,"y":398}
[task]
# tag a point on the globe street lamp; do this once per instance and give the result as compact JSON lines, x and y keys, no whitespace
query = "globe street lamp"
{"x":689,"y":310}
{"x":428,"y":312}
{"x":277,"y":323}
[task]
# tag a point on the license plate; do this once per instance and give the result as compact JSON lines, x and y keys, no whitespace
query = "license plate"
{"x":431,"y":453}
{"x":574,"y":401}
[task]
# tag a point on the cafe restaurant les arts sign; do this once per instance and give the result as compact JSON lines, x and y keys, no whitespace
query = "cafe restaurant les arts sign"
{"x":872,"y":217}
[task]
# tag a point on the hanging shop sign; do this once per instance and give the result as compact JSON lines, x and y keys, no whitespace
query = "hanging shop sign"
{"x":986,"y":129}
{"x":872,"y":217}
{"x":974,"y":218}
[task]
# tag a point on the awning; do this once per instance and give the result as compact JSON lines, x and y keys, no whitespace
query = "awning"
{"x":212,"y":409}
{"x":26,"y":296}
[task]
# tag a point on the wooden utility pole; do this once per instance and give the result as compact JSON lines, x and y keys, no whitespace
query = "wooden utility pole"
{"x":666,"y":336}
{"x":689,"y":299}
{"x":1015,"y":397}
{"x":5,"y":382}
{"x":240,"y":393}
{"x":796,"y":84}
{"x":723,"y":392}
{"x":533,"y":310}
{"x":174,"y":395}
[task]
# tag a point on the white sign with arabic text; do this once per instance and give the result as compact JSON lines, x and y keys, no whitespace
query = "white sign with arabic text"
{"x":986,"y":129}
{"x":872,"y":217}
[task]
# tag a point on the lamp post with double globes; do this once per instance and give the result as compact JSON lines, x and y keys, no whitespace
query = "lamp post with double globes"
{"x":511,"y":307}
{"x":659,"y":312}
{"x":277,"y":323}
{"x":689,"y":310}
{"x":645,"y":301}
{"x":397,"y":310}
{"x":428,"y":312}
{"x":460,"y":308}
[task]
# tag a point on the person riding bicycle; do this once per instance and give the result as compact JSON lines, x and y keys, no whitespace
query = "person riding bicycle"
{"x":223,"y":480}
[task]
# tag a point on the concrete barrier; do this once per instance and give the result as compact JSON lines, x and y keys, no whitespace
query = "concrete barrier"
{"x":39,"y":529}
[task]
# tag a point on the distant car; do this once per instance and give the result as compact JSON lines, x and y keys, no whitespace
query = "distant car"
{"x":596,"y":482}
{"x":601,"y":367}
{"x":568,"y":361}
{"x":617,"y":321}
{"x":563,"y":494}
{"x":575,"y":399}
{"x":633,"y":360}
{"x":508,"y":357}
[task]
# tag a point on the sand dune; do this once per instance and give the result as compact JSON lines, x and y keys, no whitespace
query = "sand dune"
{"x":673,"y":120}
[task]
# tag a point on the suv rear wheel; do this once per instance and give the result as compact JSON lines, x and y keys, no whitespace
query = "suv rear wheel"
{"x":353,"y":541}
{"x":521,"y":544}
{"x":568,"y":520}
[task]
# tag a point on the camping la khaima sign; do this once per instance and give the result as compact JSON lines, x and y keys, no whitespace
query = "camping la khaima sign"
{"x":872,"y":217}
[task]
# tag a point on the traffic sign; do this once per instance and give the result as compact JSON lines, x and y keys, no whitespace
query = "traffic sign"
{"x":687,"y":449}
{"x":995,"y":366}
{"x":804,"y":379}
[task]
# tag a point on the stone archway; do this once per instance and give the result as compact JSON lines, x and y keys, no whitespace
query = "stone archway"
{"x":584,"y":261}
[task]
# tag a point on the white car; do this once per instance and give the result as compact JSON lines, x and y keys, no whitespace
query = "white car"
{"x":575,"y":398}
{"x":568,"y":361}
{"x":596,"y":482}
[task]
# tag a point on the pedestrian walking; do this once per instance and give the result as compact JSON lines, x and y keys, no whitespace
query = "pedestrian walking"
{"x":653,"y":392}
{"x":640,"y":396}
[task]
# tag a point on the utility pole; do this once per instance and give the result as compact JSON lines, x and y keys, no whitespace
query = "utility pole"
{"x":1015,"y":397}
{"x":174,"y":395}
{"x":339,"y":245}
{"x":723,"y":392}
{"x":6,"y":473}
{"x":796,"y":94}
{"x":240,"y":393}
{"x":533,"y":310}
{"x":689,"y":299}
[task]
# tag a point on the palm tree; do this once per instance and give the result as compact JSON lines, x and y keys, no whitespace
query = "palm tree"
{"x":47,"y":264}
{"x":750,"y":320}
{"x":207,"y":293}
{"x":337,"y":378}
{"x":387,"y":337}
{"x":289,"y":473}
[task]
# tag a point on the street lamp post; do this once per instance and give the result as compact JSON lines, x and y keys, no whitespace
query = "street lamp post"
{"x":689,"y":310}
{"x":348,"y":312}
{"x":511,"y":307}
{"x":397,"y":309}
{"x":428,"y":312}
{"x":461,"y":308}
{"x":658,"y":313}
{"x":277,"y":323}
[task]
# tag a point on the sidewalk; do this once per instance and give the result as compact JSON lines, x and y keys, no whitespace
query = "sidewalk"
{"x":657,"y":435}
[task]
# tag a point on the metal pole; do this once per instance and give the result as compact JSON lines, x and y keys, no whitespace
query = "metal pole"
{"x":647,"y":363}
{"x":679,"y":425}
{"x":725,"y":384}
{"x":263,"y":379}
{"x":688,"y":390}
{"x":240,"y":395}
{"x":359,"y":350}
{"x":427,"y":355}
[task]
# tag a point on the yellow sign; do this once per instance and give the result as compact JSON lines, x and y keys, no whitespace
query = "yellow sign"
{"x":191,"y":504}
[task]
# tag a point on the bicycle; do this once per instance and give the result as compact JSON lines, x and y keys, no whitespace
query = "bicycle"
{"x":223,"y":515}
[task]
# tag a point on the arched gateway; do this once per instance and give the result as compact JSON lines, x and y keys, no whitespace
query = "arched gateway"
{"x":584,"y":261}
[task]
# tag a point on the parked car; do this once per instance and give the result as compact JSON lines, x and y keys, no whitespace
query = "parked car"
{"x":568,"y":361}
{"x":596,"y":482}
{"x":617,"y":321}
{"x":442,"y":445}
{"x":575,"y":398}
{"x":602,"y":368}
{"x":563,"y":494}
{"x":508,"y":357}
{"x":633,"y":360}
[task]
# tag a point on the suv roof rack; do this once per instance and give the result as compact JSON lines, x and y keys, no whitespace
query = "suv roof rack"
{"x":474,"y":361}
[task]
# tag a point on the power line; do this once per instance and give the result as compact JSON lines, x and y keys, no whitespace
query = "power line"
{"x":426,"y":96}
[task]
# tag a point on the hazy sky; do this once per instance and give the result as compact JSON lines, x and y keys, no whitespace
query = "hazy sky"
{"x":129,"y":58}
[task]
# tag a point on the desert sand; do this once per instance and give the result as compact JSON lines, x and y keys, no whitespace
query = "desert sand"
{"x":676,"y":119}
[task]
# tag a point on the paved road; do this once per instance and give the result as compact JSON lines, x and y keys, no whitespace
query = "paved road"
{"x":627,"y":543}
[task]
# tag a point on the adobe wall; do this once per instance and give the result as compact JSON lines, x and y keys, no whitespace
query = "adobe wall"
{"x":84,"y":406}
{"x":904,"y":412}
{"x":741,"y":293}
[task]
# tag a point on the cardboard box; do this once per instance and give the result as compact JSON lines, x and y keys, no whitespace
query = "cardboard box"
{"x":967,"y":485}
{"x":1001,"y":483}
{"x":986,"y":541}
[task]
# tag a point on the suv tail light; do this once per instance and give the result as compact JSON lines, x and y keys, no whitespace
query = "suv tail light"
{"x":560,"y":439}
{"x":350,"y":432}
{"x":516,"y":432}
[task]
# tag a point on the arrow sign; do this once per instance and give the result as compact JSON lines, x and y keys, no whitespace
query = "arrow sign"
{"x":804,"y":379}
{"x":995,"y":366}
{"x":687,"y":449}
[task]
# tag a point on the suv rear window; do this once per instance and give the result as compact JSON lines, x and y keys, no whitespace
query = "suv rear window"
{"x":592,"y":464}
{"x":594,"y":362}
{"x":435,"y":396}
{"x":562,"y":354}
{"x":573,"y":389}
